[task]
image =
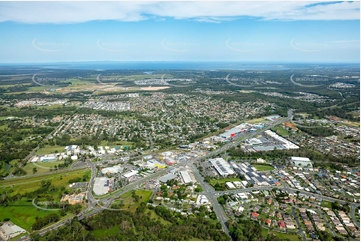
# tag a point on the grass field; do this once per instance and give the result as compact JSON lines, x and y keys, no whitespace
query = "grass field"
{"x":155,"y":216}
{"x":24,"y":185}
{"x":263,"y":167}
{"x":129,"y":202}
{"x":22,"y":213}
{"x":326,"y":204}
{"x":224,"y":180}
{"x":50,"y":149}
{"x":281,"y":131}
{"x":256,"y":120}
{"x":282,"y":236}
{"x":37,"y":89}
{"x":41,"y":167}
{"x":99,"y":233}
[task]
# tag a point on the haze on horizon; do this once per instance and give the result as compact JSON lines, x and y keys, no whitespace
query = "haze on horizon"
{"x":180,"y":31}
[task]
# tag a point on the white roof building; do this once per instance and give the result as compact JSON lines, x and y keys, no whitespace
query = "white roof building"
{"x":222,"y":166}
{"x":130,"y":174}
{"x":113,"y":170}
{"x":186,"y":177}
{"x":201,"y":199}
{"x":35,"y":159}
{"x":230,"y":185}
{"x":10,"y":230}
{"x":301,"y":161}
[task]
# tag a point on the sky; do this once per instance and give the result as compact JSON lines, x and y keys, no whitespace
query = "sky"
{"x":269,"y":31}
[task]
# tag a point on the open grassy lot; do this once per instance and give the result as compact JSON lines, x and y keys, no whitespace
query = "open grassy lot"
{"x":29,"y":184}
{"x":22,"y":213}
{"x":50,"y":149}
{"x":41,"y":167}
{"x":282,"y":236}
{"x":99,"y":233}
{"x":281,"y":131}
{"x":326,"y":204}
{"x":155,"y":216}
{"x":37,"y":88}
{"x":256,"y":120}
{"x":263,"y":167}
{"x":129,"y":202}
{"x":224,"y":180}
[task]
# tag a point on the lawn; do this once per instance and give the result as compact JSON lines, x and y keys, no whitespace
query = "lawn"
{"x":40,"y":166}
{"x":281,"y":131}
{"x":282,"y":236}
{"x":99,"y":233}
{"x":256,"y":120}
{"x":22,"y":213}
{"x":326,"y":204}
{"x":129,"y":202}
{"x":24,"y":185}
{"x":155,"y":216}
{"x":224,"y":180}
{"x":263,"y":167}
{"x":37,"y":88}
{"x":50,"y":149}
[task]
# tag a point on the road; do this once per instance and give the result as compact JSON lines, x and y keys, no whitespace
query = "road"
{"x":98,"y":79}
{"x":301,"y":85}
{"x":237,"y":85}
{"x":352,"y":213}
{"x":327,"y":222}
{"x":300,"y":231}
{"x":208,"y":190}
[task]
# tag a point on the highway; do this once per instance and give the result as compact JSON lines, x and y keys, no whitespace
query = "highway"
{"x":96,"y":207}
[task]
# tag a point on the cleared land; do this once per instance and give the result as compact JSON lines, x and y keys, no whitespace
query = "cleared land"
{"x":22,"y":213}
{"x":50,"y":149}
{"x":224,"y":180}
{"x":33,"y":183}
{"x":41,"y":167}
{"x":130,"y":203}
{"x":263,"y":167}
{"x":282,"y":236}
{"x":281,"y":131}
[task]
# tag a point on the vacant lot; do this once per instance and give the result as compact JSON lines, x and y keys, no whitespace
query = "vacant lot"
{"x":224,"y":180}
{"x":30,"y":184}
{"x":22,"y":213}
{"x":41,"y":167}
{"x":263,"y":167}
{"x":50,"y":149}
{"x":130,"y":202}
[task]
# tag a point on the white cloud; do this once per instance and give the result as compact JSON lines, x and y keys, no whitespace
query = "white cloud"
{"x":76,"y":12}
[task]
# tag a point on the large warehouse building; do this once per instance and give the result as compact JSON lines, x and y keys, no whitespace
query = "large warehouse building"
{"x":301,"y":161}
{"x":186,"y":177}
{"x":222,"y":167}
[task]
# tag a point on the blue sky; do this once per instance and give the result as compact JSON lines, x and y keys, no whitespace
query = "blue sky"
{"x":175,"y":31}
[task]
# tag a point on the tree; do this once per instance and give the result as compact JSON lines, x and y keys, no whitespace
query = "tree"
{"x":35,"y":170}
